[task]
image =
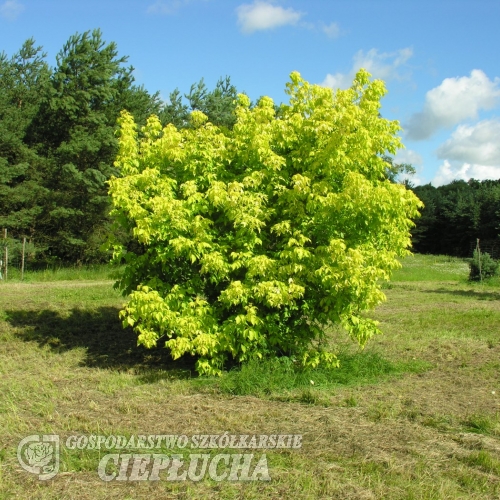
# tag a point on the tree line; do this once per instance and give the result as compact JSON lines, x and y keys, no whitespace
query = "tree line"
{"x":58,"y":140}
{"x":58,"y":145}
{"x":456,"y":215}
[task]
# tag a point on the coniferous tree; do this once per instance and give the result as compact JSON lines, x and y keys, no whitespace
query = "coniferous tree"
{"x":58,"y":144}
{"x":75,"y":133}
{"x":218,"y":105}
{"x":456,"y":215}
{"x":23,"y":79}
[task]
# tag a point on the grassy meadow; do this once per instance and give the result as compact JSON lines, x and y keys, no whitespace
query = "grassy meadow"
{"x":416,"y":415}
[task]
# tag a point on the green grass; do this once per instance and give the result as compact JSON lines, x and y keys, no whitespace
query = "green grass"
{"x":485,"y":461}
{"x":432,"y":268}
{"x":276,"y":377}
{"x":74,"y":273}
{"x":483,"y":424}
{"x":414,"y":415}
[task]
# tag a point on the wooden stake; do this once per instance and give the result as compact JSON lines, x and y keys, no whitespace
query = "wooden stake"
{"x":6,"y":252}
{"x":479,"y":259}
{"x":22,"y":259}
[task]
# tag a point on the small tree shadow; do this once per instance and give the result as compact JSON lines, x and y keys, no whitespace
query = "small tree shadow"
{"x":100,"y":332}
{"x":479,"y":295}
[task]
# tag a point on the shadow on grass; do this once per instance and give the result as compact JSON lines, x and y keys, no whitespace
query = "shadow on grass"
{"x":475,"y":294}
{"x":100,"y":332}
{"x":109,"y":346}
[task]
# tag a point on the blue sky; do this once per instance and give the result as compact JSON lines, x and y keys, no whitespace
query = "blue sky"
{"x":440,"y":59}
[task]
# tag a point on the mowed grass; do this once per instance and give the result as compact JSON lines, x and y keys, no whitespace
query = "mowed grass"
{"x":432,"y":268}
{"x":97,"y":272}
{"x":416,"y":415}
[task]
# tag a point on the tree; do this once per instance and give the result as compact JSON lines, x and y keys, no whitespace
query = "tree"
{"x":455,"y":215}
{"x":251,"y":241}
{"x":74,"y":132}
{"x":219,"y":105}
{"x":394,"y":170}
{"x":23,"y":79}
{"x":175,"y":111}
{"x":482,"y":266}
{"x":427,"y":231}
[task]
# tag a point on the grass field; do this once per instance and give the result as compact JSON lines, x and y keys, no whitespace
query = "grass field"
{"x":416,"y":415}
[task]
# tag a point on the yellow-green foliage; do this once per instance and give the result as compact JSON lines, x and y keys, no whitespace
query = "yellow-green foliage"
{"x":251,"y":241}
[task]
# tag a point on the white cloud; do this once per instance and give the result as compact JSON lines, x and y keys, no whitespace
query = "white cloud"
{"x":331,"y":30}
{"x":471,"y":152}
{"x":479,"y":144}
{"x":450,"y":171}
{"x":408,"y":156}
{"x":11,"y":9}
{"x":262,"y":15}
{"x":384,"y":66}
{"x":455,"y":100}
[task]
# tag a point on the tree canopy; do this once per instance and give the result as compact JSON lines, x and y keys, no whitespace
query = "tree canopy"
{"x":456,"y":215}
{"x":23,"y":78}
{"x":58,"y":142}
{"x":250,"y":241}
